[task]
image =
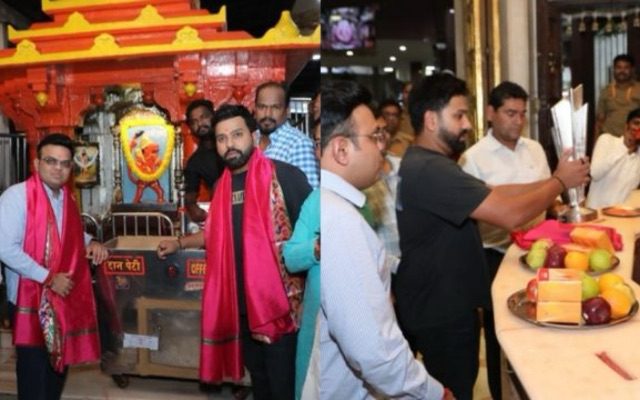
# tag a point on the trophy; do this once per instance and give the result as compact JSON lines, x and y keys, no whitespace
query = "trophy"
{"x":570,"y":132}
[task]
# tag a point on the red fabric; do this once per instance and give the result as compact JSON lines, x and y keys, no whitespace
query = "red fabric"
{"x":559,"y":233}
{"x":75,"y":312}
{"x":268,"y":308}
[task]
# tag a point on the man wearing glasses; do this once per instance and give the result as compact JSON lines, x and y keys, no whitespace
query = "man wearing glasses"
{"x":49,"y":289}
{"x":362,"y":352}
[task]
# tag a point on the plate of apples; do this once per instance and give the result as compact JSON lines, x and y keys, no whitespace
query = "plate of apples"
{"x":570,"y":299}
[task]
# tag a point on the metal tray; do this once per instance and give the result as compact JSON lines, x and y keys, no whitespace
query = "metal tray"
{"x":621,"y":211}
{"x":526,"y":310}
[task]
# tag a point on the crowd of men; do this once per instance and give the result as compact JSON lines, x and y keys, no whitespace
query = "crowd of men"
{"x":389,"y":200}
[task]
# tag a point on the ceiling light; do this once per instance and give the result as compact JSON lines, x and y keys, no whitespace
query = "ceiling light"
{"x":324,"y":70}
{"x":392,"y":58}
{"x":349,"y":53}
{"x":402,"y":47}
{"x":429,"y":70}
{"x":388,"y":69}
{"x":452,"y":11}
{"x":315,"y":57}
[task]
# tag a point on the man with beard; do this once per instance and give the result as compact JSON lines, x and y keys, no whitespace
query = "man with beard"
{"x":618,"y":98}
{"x":361,"y":352}
{"x":503,"y":156}
{"x":250,"y":304}
{"x":279,"y":139}
{"x":442,"y":278}
{"x":204,"y":165}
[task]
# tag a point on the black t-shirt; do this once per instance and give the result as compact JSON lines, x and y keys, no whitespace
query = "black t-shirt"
{"x":443,"y":273}
{"x":204,"y":164}
{"x":295,"y":188}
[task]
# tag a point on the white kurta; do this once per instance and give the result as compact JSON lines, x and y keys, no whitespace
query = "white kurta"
{"x":614,"y":172}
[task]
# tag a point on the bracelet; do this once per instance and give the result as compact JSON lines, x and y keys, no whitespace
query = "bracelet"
{"x":180,"y":244}
{"x":564,"y":187}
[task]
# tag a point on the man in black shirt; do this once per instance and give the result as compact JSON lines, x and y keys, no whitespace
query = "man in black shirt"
{"x":442,"y":278}
{"x":250,"y":304}
{"x":205,"y":163}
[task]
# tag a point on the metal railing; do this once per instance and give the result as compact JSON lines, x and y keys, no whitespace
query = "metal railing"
{"x":141,"y":224}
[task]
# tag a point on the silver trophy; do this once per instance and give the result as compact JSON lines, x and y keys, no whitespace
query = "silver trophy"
{"x":570,"y":132}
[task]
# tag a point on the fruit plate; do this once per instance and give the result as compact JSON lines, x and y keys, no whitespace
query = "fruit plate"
{"x":621,"y":211}
{"x":526,"y":310}
{"x":614,"y":265}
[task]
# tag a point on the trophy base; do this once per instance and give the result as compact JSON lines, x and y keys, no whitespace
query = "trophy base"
{"x":578,"y":214}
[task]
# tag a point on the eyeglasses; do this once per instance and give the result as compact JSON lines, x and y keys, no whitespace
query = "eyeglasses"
{"x":53,"y":162}
{"x":377,"y":136}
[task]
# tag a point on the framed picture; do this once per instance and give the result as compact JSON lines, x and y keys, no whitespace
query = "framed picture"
{"x":86,"y":165}
{"x":147,"y":141}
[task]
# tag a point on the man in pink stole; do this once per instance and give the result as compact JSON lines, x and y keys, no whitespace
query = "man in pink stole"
{"x":250,"y":304}
{"x":48,"y":278}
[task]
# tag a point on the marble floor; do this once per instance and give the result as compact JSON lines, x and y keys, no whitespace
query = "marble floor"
{"x":88,"y":382}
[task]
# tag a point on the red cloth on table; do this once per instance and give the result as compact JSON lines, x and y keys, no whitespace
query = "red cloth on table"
{"x":559,"y":232}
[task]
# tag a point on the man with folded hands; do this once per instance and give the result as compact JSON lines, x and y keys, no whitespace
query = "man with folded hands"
{"x":51,"y":302}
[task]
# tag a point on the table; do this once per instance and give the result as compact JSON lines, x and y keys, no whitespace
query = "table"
{"x":561,"y":364}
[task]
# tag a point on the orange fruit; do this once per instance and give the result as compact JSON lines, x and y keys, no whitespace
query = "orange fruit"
{"x":618,"y":300}
{"x":608,"y":280}
{"x":577,"y":260}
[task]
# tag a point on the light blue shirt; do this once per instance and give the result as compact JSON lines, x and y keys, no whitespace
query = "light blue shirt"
{"x":363,"y":352}
{"x":288,"y":144}
{"x":13,"y":220}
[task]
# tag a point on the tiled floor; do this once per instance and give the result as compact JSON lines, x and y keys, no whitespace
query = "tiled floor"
{"x":88,"y":382}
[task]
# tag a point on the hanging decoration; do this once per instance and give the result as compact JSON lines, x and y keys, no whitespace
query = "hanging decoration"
{"x":610,"y":21}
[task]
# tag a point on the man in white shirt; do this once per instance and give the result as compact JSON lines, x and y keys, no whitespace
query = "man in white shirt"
{"x":503,"y":156}
{"x":615,"y":165}
{"x":363,"y":354}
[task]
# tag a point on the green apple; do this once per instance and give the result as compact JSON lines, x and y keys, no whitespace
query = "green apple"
{"x":589,"y":287}
{"x":535,"y":258}
{"x":600,"y":260}
{"x":543,"y":243}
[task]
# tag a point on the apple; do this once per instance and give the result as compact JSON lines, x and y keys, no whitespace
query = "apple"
{"x":600,"y":260}
{"x":555,"y":256}
{"x":543,"y":243}
{"x":596,"y":311}
{"x":590,"y":287}
{"x":535,"y":258}
{"x":626,"y":289}
{"x":532,"y":290}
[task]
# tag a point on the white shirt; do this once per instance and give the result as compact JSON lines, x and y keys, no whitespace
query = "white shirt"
{"x":13,"y":220}
{"x":614,"y":172}
{"x":363,"y":352}
{"x":496,"y":164}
